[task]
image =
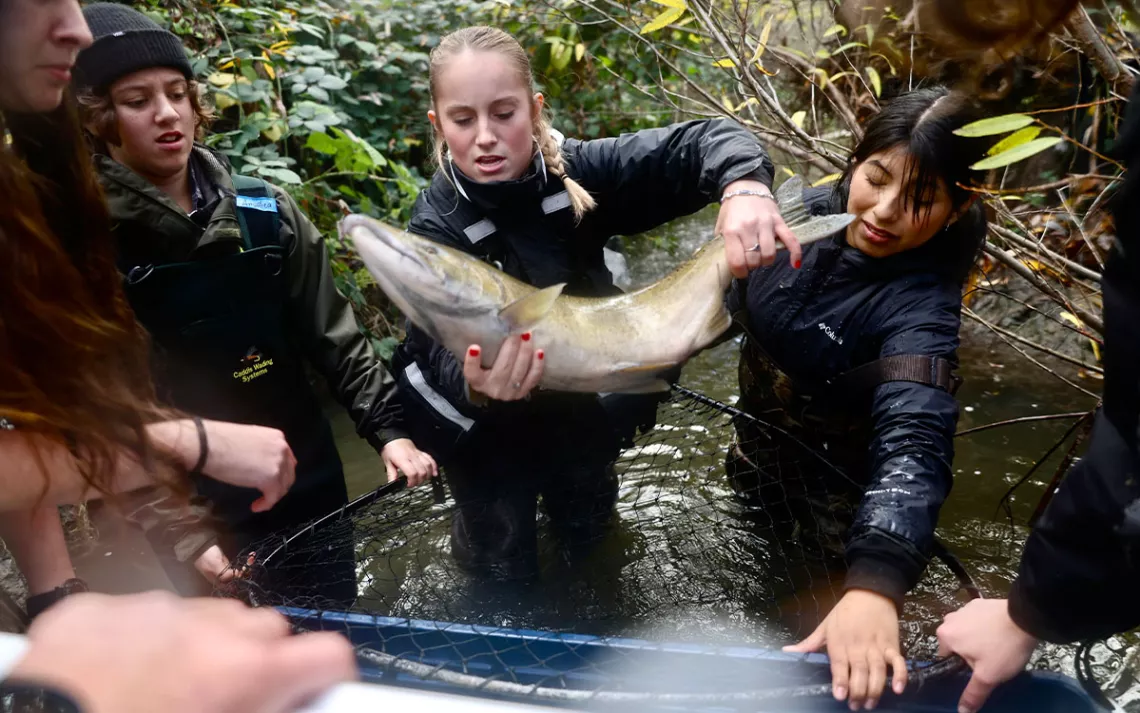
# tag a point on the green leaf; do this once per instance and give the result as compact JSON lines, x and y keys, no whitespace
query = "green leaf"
{"x":995,"y":125}
{"x":1015,"y":139}
{"x":834,"y":30}
{"x":665,"y":19}
{"x":321,"y":142}
{"x":1017,"y":153}
{"x":284,"y":175}
{"x":332,"y":83}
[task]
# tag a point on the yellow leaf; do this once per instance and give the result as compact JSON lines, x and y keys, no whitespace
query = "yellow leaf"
{"x":788,"y":171}
{"x":1096,"y":349}
{"x":727,"y":104}
{"x":826,"y":179}
{"x":274,"y":132}
{"x":798,"y":118}
{"x":876,"y":81}
{"x":725,"y":63}
{"x":1073,"y":319}
{"x":579,"y":52}
{"x":763,"y":70}
{"x":763,"y":43}
{"x":678,"y":4}
{"x":822,"y":74}
{"x":221,"y":79}
{"x":226,"y":65}
{"x":746,"y":102}
{"x":663,"y":20}
{"x":835,"y":30}
{"x":1015,"y":139}
{"x":822,"y":53}
{"x":269,"y":70}
{"x":224,"y":101}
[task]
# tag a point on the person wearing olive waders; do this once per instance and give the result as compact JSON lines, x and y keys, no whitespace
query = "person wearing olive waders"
{"x":233,"y":283}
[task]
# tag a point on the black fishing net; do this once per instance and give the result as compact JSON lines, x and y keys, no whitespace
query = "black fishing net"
{"x":687,"y":554}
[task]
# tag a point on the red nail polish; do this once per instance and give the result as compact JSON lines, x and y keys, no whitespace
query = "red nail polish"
{"x":541,"y":355}
{"x":526,"y":336}
{"x":473,"y":351}
{"x":796,"y":264}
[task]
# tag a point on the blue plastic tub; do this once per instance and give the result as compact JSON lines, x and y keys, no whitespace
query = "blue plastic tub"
{"x":591,"y":663}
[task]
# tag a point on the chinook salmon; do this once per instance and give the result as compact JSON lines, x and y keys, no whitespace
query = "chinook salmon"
{"x":620,"y":344}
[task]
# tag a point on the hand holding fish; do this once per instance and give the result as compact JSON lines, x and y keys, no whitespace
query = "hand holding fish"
{"x":751,"y":223}
{"x":516,"y":371}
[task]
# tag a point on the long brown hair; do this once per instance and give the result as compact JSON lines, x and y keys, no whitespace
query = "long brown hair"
{"x":73,"y":361}
{"x":491,"y":39}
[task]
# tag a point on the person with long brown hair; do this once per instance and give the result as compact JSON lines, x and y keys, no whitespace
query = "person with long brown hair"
{"x":77,"y":411}
{"x":78,"y":420}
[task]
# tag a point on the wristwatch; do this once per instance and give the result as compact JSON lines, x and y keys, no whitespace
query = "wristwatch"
{"x":39,"y":603}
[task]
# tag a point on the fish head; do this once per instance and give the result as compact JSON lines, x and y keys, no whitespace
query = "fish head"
{"x":425,"y":280}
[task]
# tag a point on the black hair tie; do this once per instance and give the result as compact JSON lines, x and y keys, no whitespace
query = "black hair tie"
{"x":203,"y":447}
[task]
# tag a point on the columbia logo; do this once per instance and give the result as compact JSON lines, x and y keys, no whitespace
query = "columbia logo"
{"x":830,"y":333}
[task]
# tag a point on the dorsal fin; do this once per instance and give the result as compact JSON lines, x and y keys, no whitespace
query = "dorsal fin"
{"x":525,"y":312}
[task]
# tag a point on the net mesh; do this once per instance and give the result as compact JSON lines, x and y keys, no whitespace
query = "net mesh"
{"x":688,"y":553}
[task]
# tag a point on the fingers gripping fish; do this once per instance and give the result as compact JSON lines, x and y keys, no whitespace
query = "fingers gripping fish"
{"x":620,"y":344}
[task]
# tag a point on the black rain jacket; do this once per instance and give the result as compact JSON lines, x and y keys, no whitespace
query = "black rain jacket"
{"x":843,"y":309}
{"x":1080,"y":571}
{"x":526,"y":227}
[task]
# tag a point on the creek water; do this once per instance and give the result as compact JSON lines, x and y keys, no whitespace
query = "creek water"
{"x":664,"y":578}
{"x":999,"y":384}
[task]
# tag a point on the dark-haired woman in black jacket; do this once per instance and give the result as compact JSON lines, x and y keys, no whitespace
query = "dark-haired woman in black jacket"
{"x":853,"y":355}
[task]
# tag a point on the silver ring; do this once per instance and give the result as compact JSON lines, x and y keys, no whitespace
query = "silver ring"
{"x":754,"y":249}
{"x":518,"y":384}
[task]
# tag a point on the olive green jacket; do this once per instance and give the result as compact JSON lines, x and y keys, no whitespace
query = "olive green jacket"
{"x":151,"y":229}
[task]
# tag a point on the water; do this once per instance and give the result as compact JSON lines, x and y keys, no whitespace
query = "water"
{"x":683,"y":591}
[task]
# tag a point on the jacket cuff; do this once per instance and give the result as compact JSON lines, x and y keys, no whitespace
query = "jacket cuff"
{"x":753,"y":170}
{"x":879,"y":576}
{"x":384,"y":436}
{"x":1030,"y":619}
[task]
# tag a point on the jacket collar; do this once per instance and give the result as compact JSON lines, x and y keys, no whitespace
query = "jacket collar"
{"x":492,"y":196}
{"x":131,"y":199}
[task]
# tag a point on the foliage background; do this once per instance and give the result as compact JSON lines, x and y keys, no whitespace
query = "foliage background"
{"x":328,"y":99}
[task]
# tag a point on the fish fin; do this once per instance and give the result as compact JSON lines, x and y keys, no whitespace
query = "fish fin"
{"x":718,"y":322}
{"x":526,"y":312}
{"x":641,"y":368}
{"x":821,"y":226}
{"x":656,"y":386}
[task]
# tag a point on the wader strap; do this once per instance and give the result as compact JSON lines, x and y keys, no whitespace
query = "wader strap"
{"x":256,"y":212}
{"x":932,"y":371}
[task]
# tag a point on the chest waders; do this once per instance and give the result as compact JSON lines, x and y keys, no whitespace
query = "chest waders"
{"x":223,"y":350}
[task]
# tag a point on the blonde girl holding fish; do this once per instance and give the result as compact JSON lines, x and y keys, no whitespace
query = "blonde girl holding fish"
{"x":515,"y":193}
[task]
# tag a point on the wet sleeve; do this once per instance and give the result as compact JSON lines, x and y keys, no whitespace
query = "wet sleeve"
{"x":171,"y":522}
{"x":911,"y":453}
{"x":326,"y":328}
{"x":644,"y":179}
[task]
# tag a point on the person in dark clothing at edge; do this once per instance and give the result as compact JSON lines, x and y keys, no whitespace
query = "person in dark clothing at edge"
{"x":852,"y":355}
{"x":233,"y":283}
{"x":1080,"y":570}
{"x":512,"y":192}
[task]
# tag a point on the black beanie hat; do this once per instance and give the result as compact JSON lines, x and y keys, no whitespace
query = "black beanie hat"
{"x":126,"y":41}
